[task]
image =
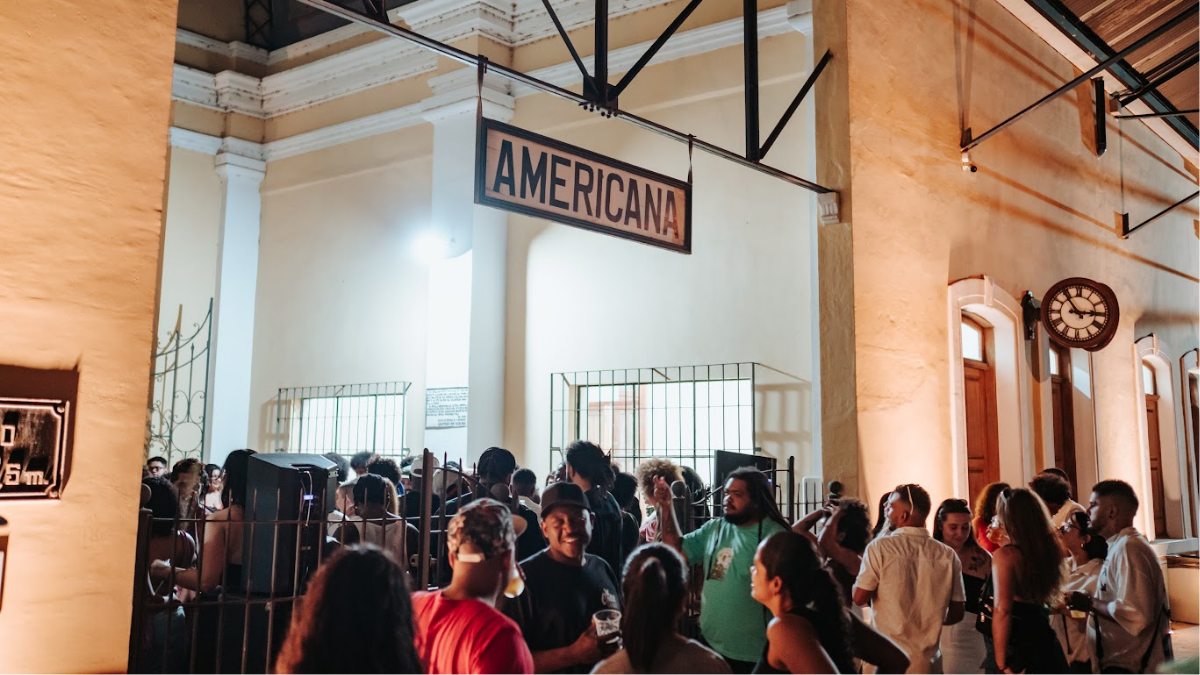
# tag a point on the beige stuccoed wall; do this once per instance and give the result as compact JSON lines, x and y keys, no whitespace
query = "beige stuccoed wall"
{"x":1042,"y":207}
{"x":84,"y":154}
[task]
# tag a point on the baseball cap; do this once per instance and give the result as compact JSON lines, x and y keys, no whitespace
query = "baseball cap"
{"x":485,"y":527}
{"x":562,"y":494}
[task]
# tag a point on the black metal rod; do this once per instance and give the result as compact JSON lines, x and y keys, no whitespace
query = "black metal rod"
{"x":600,"y":80}
{"x":567,"y":40}
{"x":1101,"y":119}
{"x":1159,"y":80}
{"x":1100,"y":67}
{"x":1177,"y":113}
{"x":528,"y":80}
{"x":658,"y":44}
{"x":1179,"y":56}
{"x":1130,"y":230}
{"x":791,"y":110}
{"x":750,"y":66}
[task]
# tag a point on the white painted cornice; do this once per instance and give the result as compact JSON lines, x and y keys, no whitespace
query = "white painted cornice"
{"x":236,"y":50}
{"x":213,"y":145}
{"x":799,"y":16}
{"x":450,"y":20}
{"x":531,"y":22}
{"x":390,"y":60}
{"x":457,"y":93}
{"x":352,"y":71}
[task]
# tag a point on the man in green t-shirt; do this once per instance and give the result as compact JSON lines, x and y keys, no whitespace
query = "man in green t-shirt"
{"x":731,"y":621}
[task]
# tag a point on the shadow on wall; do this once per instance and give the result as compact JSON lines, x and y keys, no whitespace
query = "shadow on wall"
{"x":783,"y":424}
{"x":18,"y":382}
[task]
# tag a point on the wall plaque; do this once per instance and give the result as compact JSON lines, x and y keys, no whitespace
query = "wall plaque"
{"x":33,"y":441}
{"x":446,"y":408}
{"x":523,"y":172}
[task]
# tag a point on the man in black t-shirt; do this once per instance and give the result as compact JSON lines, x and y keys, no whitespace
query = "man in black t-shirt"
{"x":564,"y":587}
{"x":591,"y":469}
{"x":495,"y":469}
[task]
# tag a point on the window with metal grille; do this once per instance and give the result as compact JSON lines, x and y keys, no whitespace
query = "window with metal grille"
{"x":342,"y":418}
{"x":684,"y":413}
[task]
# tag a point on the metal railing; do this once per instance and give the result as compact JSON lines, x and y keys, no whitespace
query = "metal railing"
{"x":177,"y":411}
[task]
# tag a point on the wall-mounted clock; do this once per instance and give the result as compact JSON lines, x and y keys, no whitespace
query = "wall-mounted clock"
{"x":1082,"y":313}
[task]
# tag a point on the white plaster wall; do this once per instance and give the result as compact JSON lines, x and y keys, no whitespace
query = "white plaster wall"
{"x":193,"y":219}
{"x":578,"y":300}
{"x":341,"y":298}
{"x":83,"y":129}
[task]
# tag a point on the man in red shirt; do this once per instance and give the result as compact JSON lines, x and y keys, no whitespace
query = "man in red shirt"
{"x":459,"y":629}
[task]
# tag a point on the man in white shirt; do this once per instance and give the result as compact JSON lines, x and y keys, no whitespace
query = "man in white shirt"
{"x":1130,"y":605}
{"x":1057,"y":497}
{"x":913,"y":582}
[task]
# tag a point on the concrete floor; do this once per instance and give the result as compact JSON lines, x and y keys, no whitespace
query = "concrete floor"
{"x":1185,"y":640}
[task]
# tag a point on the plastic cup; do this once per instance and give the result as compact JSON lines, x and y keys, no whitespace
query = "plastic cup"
{"x":608,"y":622}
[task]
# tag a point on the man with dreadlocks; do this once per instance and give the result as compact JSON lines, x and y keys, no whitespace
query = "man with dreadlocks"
{"x":731,"y":621}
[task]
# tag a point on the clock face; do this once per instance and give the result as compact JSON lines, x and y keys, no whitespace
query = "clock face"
{"x":1080,"y":313}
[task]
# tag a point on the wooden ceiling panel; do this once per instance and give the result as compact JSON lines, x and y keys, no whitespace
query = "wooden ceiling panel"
{"x":1173,"y":43}
{"x":1183,"y":88}
{"x":1140,"y":18}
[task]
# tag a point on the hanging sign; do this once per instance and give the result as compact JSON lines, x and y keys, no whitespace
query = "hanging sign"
{"x":523,"y":172}
{"x":32,"y":446}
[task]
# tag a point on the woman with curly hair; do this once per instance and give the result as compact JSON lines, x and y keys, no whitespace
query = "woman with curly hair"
{"x":985,"y":511}
{"x":647,"y":472}
{"x":1027,"y":574}
{"x":357,"y":617}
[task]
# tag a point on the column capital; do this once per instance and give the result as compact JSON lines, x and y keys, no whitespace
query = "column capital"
{"x":457,"y":93}
{"x":237,"y":167}
{"x":799,"y":16}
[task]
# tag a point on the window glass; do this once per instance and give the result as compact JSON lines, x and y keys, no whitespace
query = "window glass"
{"x":1148,"y":379}
{"x":350,"y":424}
{"x":972,"y":341}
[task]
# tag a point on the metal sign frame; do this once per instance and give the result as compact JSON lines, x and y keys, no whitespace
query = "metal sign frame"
{"x":481,"y":196}
{"x":59,"y":410}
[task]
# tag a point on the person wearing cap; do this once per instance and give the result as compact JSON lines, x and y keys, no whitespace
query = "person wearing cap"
{"x":495,"y":468}
{"x":564,"y":587}
{"x":459,"y":629}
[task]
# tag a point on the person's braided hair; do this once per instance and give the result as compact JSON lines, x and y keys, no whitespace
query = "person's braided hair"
{"x":758,"y":488}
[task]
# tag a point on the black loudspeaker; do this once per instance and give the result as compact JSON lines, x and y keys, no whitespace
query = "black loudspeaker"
{"x":728,"y":461}
{"x":287,"y":500}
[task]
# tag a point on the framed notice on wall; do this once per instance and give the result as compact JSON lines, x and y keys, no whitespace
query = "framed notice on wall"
{"x":523,"y":172}
{"x":33,"y":436}
{"x":446,"y":408}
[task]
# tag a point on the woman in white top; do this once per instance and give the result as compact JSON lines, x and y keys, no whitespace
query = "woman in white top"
{"x":963,"y":649}
{"x":1087,"y":553}
{"x":655,"y":586}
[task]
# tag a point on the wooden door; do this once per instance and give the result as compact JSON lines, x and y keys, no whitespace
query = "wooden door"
{"x":1064,"y":425}
{"x":1156,"y":477}
{"x":983,"y":455}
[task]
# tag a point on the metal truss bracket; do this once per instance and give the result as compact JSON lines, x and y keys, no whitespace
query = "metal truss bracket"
{"x":1126,"y":230}
{"x":602,"y":98}
{"x":968,"y":142}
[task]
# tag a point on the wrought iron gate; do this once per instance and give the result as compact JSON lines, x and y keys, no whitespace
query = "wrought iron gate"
{"x":180,"y":394}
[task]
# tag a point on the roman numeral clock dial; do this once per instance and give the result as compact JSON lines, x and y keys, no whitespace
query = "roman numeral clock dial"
{"x":1080,"y":313}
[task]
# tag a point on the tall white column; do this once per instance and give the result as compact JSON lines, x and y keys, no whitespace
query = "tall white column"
{"x":466,"y":290}
{"x":232,"y":346}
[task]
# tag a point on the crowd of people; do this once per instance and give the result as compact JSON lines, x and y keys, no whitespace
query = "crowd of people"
{"x":576,"y":578}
